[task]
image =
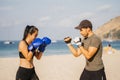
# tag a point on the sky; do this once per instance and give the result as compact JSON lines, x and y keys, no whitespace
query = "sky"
{"x":55,"y":19}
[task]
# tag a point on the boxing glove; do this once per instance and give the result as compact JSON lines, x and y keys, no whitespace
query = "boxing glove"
{"x":46,"y":41}
{"x":35,"y":44}
{"x":41,"y":48}
{"x":77,"y":41}
{"x":67,"y":40}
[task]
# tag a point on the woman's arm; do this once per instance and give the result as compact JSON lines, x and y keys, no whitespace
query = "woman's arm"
{"x":38,"y":55}
{"x":23,"y":48}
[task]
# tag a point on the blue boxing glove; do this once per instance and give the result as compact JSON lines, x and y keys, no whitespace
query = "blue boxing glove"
{"x":46,"y":41}
{"x":41,"y":48}
{"x":35,"y":44}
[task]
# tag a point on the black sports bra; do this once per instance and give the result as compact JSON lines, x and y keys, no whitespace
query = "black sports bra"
{"x":20,"y":53}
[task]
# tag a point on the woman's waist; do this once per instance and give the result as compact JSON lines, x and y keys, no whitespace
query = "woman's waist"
{"x":26,"y":64}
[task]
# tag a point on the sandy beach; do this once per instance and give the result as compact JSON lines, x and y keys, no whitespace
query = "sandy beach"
{"x":60,"y":67}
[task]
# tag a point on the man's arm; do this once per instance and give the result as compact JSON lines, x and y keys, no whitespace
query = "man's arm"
{"x":75,"y":52}
{"x":88,"y":53}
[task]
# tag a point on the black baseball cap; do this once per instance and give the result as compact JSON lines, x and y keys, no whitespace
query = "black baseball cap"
{"x":84,"y":24}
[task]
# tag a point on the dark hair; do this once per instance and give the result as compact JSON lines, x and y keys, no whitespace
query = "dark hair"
{"x":109,"y":45}
{"x":29,"y":29}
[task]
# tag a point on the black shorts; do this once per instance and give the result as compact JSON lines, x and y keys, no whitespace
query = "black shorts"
{"x":93,"y":75}
{"x":26,"y":74}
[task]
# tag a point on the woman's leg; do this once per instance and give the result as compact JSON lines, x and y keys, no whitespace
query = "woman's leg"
{"x":22,"y":74}
{"x":34,"y":75}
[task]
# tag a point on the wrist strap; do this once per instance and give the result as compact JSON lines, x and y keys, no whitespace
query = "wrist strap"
{"x":69,"y":44}
{"x":78,"y":44}
{"x":81,"y":44}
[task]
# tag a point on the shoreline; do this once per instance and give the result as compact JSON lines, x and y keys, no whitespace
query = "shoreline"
{"x":60,"y":67}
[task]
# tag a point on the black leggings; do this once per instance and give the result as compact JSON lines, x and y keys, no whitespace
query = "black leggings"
{"x":26,"y":74}
{"x":93,"y":75}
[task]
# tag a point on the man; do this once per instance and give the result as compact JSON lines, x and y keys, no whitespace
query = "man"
{"x":91,"y":48}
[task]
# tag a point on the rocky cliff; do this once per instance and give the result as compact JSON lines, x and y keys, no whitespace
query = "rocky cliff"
{"x":110,"y":30}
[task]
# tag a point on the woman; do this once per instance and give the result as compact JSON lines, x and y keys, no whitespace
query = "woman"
{"x":26,"y":69}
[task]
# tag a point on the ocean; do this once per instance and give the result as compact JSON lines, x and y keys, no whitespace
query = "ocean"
{"x":55,"y":48}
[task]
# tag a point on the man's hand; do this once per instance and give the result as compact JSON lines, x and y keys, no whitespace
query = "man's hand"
{"x":67,"y":40}
{"x":77,"y":41}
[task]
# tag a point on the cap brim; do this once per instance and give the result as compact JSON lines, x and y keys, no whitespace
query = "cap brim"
{"x":78,"y":27}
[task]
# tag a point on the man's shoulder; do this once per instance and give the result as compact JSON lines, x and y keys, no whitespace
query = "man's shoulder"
{"x":96,"y":38}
